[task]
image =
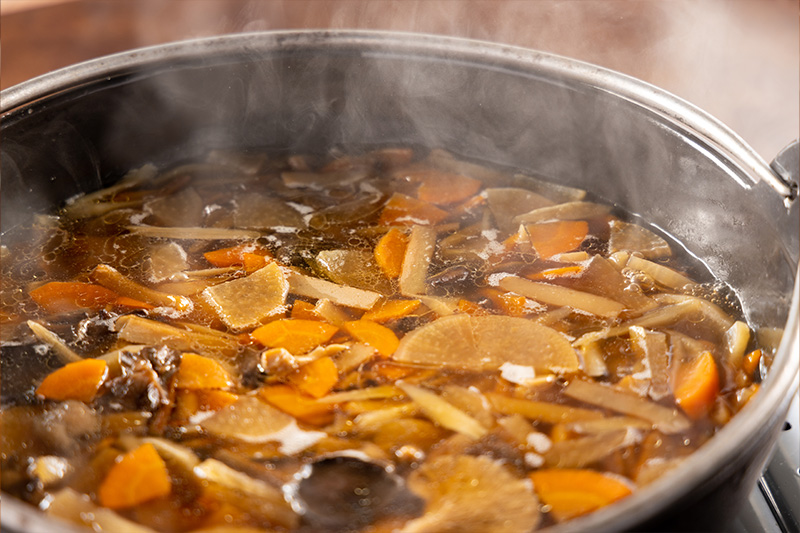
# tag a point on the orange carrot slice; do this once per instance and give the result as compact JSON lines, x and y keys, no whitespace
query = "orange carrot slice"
{"x":403,"y":210}
{"x":214,"y":400}
{"x":316,"y":378}
{"x":304,"y":310}
{"x":253,"y":262}
{"x":470,"y":308}
{"x":509,"y":303}
{"x":379,"y":337}
{"x":444,"y":188}
{"x":574,"y":492}
{"x":390,"y":251}
{"x":198,"y":372}
{"x":187,"y":404}
{"x":391,"y":310}
{"x":299,"y":405}
{"x":467,"y":205}
{"x":558,"y":272}
{"x":751,"y":361}
{"x":298,"y":336}
{"x":66,"y":296}
{"x":238,"y":255}
{"x":551,"y":238}
{"x":75,"y":381}
{"x":124,"y":301}
{"x":190,"y":402}
{"x":141,"y":475}
{"x":697,"y":386}
{"x":392,"y":372}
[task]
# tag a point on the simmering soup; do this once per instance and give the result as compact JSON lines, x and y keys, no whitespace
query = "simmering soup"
{"x":385,"y":340}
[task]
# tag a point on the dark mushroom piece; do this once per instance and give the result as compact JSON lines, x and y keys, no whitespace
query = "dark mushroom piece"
{"x":346,"y":491}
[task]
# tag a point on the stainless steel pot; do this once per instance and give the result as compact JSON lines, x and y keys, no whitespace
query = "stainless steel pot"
{"x":77,"y":129}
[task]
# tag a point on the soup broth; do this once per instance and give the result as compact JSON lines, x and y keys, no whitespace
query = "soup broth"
{"x":389,"y":340}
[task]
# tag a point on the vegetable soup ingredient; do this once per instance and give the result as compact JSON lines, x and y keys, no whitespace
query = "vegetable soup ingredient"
{"x":139,"y":476}
{"x":75,"y":381}
{"x":316,"y":378}
{"x":373,"y":334}
{"x":246,"y":302}
{"x":551,"y":238}
{"x":198,"y":372}
{"x":697,"y":386}
{"x":66,"y":296}
{"x":486,"y":342}
{"x":390,"y":251}
{"x":403,"y":210}
{"x":386,"y":340}
{"x":465,"y":492}
{"x":296,"y":335}
{"x":59,"y":347}
{"x":574,"y":492}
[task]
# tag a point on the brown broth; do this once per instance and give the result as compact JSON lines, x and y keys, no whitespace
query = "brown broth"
{"x":508,"y":302}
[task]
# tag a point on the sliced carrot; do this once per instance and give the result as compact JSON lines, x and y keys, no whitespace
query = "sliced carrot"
{"x":253,"y":262}
{"x":558,"y":272}
{"x":379,"y":337}
{"x":187,"y":404}
{"x":560,"y":432}
{"x":573,"y":492}
{"x":697,"y":386}
{"x":75,"y":381}
{"x":304,"y":310}
{"x":403,"y":210}
{"x":66,"y":296}
{"x":238,"y":255}
{"x":298,"y":336}
{"x":467,"y":205}
{"x":139,"y":476}
{"x":198,"y":372}
{"x":124,"y":301}
{"x":391,"y":310}
{"x":444,"y":188}
{"x":317,"y":378}
{"x":392,"y":372}
{"x":751,"y":361}
{"x":470,"y":308}
{"x":511,"y":304}
{"x":299,"y":405}
{"x":743,"y":396}
{"x":390,"y":251}
{"x":214,"y":400}
{"x":190,"y":402}
{"x":551,"y":238}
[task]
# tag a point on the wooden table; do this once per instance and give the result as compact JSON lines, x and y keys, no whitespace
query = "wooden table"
{"x":737,"y":59}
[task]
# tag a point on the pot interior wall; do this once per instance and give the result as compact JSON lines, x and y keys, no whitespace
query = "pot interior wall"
{"x":316,"y":97}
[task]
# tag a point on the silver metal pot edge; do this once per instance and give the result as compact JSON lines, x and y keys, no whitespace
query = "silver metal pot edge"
{"x":644,"y":94}
{"x":769,"y":404}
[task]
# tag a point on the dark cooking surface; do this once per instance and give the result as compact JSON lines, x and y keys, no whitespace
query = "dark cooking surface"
{"x":773,"y":504}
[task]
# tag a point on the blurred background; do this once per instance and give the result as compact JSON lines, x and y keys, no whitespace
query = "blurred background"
{"x":737,"y":59}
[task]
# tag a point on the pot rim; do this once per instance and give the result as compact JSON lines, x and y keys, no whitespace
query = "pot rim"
{"x":773,"y":399}
{"x":663,"y":103}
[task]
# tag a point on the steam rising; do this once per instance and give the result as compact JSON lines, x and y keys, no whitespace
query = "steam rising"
{"x":688,"y":47}
{"x":577,"y":135}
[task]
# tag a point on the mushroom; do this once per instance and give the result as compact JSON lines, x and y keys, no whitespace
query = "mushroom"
{"x":348,"y":490}
{"x":467,"y":493}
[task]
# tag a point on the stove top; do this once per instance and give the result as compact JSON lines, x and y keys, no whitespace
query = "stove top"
{"x":774,"y":505}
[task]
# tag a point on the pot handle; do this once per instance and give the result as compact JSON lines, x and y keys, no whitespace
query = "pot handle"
{"x":787,"y":166}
